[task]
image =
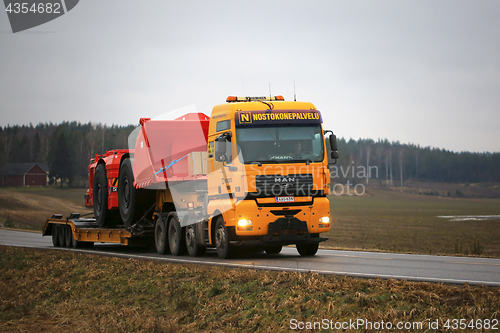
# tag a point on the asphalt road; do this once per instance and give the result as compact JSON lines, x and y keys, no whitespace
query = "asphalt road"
{"x":352,"y":263}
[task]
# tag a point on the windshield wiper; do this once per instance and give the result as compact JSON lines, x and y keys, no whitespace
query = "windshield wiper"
{"x":263,"y":162}
{"x":306,"y":161}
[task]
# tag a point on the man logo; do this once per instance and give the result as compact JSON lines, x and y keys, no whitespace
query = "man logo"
{"x":27,"y":14}
{"x":245,"y":118}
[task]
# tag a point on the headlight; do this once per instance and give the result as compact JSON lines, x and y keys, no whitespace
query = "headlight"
{"x":244,"y":223}
{"x":324,"y":219}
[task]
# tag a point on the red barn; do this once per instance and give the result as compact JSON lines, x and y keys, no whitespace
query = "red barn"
{"x":24,"y":174}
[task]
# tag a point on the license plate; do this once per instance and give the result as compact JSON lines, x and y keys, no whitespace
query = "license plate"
{"x":285,"y":199}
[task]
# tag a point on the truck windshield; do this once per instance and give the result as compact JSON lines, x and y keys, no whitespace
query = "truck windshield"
{"x":280,"y":144}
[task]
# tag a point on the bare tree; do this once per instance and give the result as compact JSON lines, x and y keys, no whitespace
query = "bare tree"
{"x":368,"y":149}
{"x":417,"y":151}
{"x":400,"y":156}
{"x":388,"y":164}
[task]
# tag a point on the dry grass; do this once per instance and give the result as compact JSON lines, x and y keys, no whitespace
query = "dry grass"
{"x":59,"y":291}
{"x":29,"y":208}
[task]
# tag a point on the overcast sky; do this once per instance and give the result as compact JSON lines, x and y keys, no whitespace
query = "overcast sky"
{"x":423,"y":72}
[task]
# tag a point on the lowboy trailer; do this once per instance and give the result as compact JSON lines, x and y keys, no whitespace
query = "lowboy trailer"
{"x":255,"y":174}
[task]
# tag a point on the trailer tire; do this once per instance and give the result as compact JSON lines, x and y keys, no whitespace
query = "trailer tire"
{"x":62,"y":236}
{"x":222,"y":244}
{"x":275,"y":249}
{"x":103,"y":216}
{"x":175,"y":240}
{"x":55,"y":235}
{"x":161,"y":233}
{"x":76,"y":244}
{"x":194,"y":249}
{"x":68,"y":236}
{"x":307,"y":250}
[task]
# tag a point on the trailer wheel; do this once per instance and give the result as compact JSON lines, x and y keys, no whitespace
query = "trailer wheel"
{"x":161,"y":236}
{"x":175,"y":239}
{"x":275,"y":249}
{"x":222,"y":245}
{"x":62,"y":235}
{"x":68,"y":236}
{"x":75,"y":243}
{"x":55,"y":235}
{"x":103,"y":216}
{"x":307,"y":250}
{"x":193,"y":248}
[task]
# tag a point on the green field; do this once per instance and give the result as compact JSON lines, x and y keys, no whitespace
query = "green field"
{"x":61,"y":291}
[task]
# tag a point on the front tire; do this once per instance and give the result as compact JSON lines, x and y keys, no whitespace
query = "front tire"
{"x":307,"y":250}
{"x":222,"y":245}
{"x":193,"y":248}
{"x":275,"y":249}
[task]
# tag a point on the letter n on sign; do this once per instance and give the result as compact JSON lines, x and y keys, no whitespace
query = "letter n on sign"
{"x":245,"y":118}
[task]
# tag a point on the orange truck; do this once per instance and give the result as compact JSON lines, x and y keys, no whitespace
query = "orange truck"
{"x":253,"y":175}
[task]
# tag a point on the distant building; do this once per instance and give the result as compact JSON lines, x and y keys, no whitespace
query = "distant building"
{"x":24,"y":174}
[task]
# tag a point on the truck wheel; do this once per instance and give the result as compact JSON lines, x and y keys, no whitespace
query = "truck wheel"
{"x":55,"y":235}
{"x":222,"y":245}
{"x":175,"y":239}
{"x":193,"y":248}
{"x":273,"y":249}
{"x":307,"y":250}
{"x":68,"y":236}
{"x":133,"y":203}
{"x":161,"y":236}
{"x":126,"y":193}
{"x":103,"y":216}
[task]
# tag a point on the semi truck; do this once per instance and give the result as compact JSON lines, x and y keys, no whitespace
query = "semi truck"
{"x":253,"y":175}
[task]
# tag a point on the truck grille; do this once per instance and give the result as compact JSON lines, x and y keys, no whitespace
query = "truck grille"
{"x":289,"y":185}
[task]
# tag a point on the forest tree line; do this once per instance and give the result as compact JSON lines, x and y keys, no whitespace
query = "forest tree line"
{"x":393,"y":163}
{"x":68,"y":147}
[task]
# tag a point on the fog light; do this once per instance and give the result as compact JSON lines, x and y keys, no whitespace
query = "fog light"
{"x":324,"y":219}
{"x":244,"y":223}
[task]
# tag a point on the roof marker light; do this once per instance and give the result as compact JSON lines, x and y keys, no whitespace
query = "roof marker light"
{"x":251,"y":99}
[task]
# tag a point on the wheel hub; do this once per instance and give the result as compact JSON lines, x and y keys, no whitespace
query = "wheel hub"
{"x":190,"y":236}
{"x":159,"y":234}
{"x":220,"y":238}
{"x":126,"y":192}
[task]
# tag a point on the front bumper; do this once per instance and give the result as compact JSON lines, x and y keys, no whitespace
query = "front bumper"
{"x":283,"y":231}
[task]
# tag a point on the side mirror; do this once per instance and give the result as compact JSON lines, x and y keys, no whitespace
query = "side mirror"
{"x":333,"y":142}
{"x":220,"y":149}
{"x":334,"y":154}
